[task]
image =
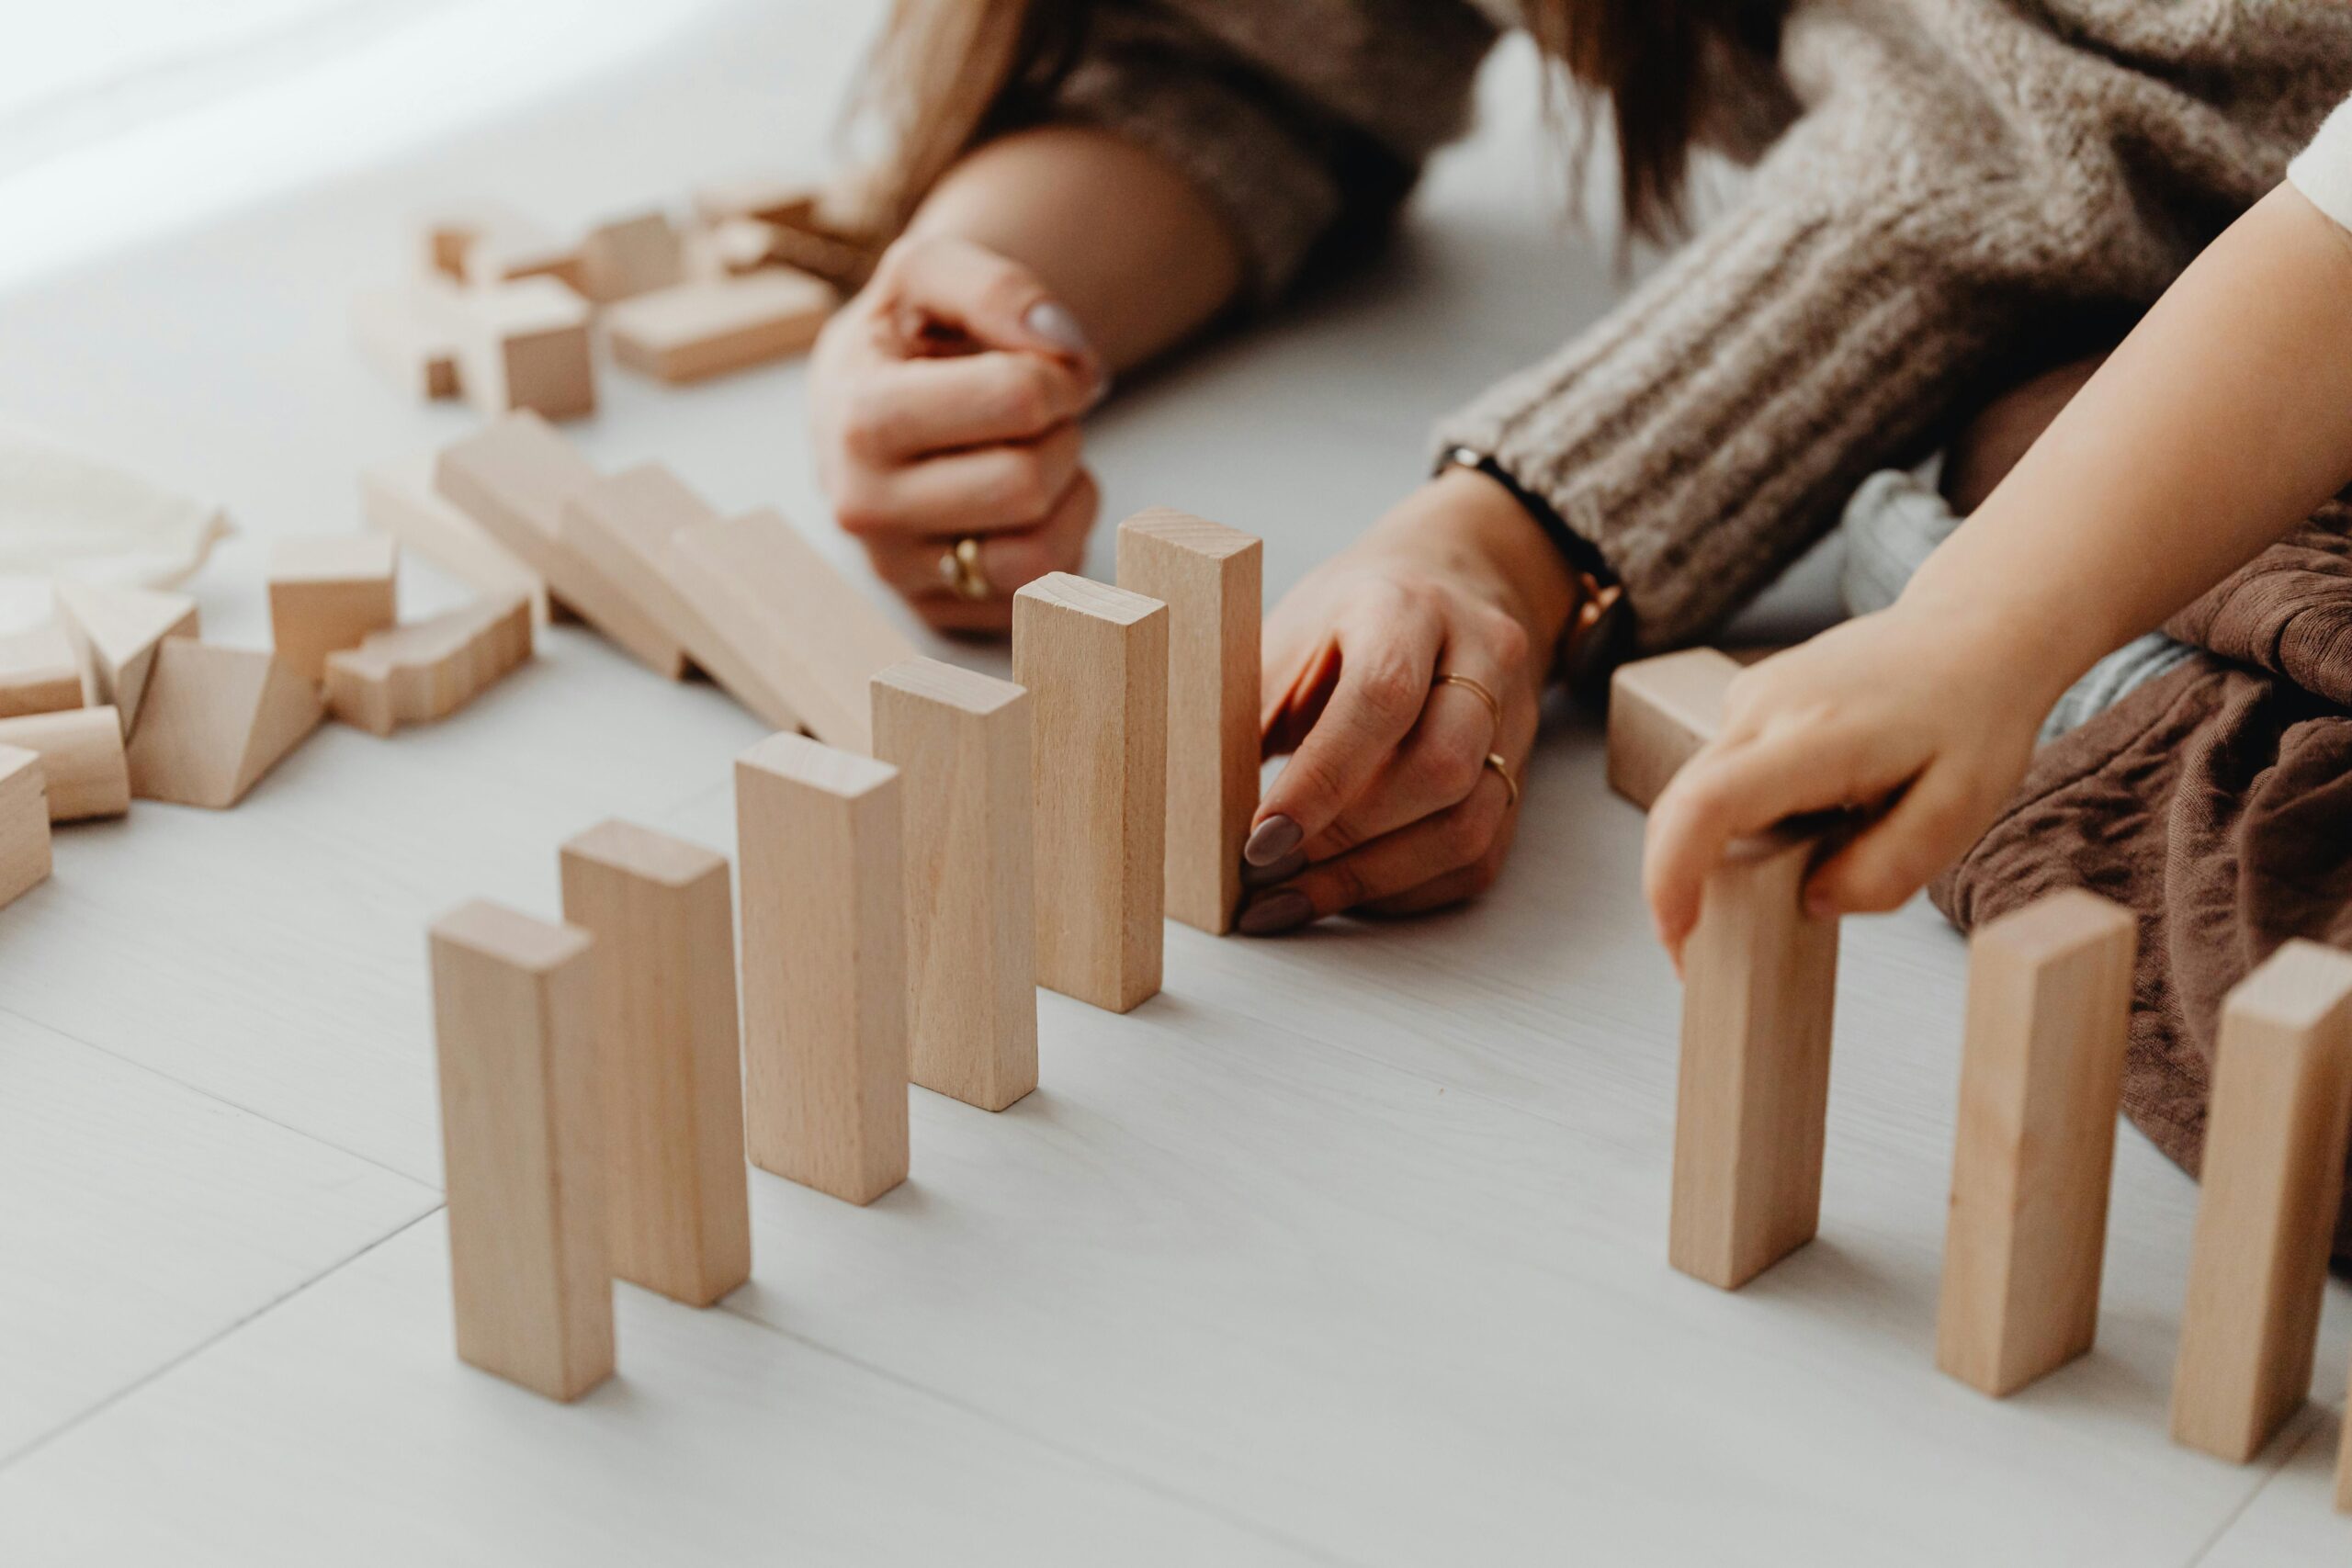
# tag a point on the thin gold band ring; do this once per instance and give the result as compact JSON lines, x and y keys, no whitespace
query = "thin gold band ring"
{"x":1502,"y":772}
{"x":1477,"y":691}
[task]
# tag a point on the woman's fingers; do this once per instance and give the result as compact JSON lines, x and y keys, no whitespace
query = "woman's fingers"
{"x":941,"y":282}
{"x":1011,"y":485}
{"x":1437,"y":766}
{"x":1461,"y":847}
{"x":1008,"y":559}
{"x":904,"y":410}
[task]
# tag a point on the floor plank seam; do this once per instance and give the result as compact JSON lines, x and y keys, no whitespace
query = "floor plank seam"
{"x":2230,"y":1520}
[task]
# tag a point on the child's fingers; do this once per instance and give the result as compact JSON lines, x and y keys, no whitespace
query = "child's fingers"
{"x":1892,"y":858}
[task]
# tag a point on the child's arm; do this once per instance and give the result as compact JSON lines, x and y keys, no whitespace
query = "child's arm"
{"x":2221,"y":423}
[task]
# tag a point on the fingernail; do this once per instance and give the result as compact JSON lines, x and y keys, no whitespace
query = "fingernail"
{"x":1277,"y":912}
{"x":1283,"y":870}
{"x":1051,"y":321}
{"x":1272,"y":840}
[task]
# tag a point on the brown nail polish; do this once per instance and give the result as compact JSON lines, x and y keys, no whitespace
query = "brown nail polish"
{"x":1286,"y":911}
{"x":1283,"y":870}
{"x":1272,"y":840}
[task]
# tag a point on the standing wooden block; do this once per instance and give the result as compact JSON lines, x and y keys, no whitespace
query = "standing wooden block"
{"x":513,"y":1022}
{"x":1753,"y":1097}
{"x":399,"y":500}
{"x":2042,"y":1078}
{"x":1210,"y":578}
{"x":403,"y":329}
{"x":514,"y":479}
{"x":115,"y":631}
{"x":416,"y":674}
{"x":38,"y":671}
{"x":2273,"y":1171}
{"x":82,"y":760}
{"x":630,"y":256}
{"x":663,"y":922}
{"x":1095,"y":661}
{"x":329,"y":592}
{"x":522,"y":345}
{"x":713,"y":325}
{"x":824,"y":966}
{"x":24,"y":822}
{"x":1660,"y":711}
{"x":217,"y":720}
{"x":960,"y":741}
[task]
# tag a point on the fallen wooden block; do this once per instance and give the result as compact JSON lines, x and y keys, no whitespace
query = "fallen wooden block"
{"x":513,"y":478}
{"x":514,"y":1025}
{"x":430,"y":669}
{"x":1753,"y":1095}
{"x":769,"y":198}
{"x":2272,"y":1171}
{"x":713,"y":325}
{"x":38,"y":671}
{"x":399,"y":500}
{"x":115,"y":631}
{"x":491,"y":247}
{"x":1095,"y":661}
{"x":82,"y":760}
{"x":960,"y":741}
{"x":730,"y":247}
{"x":24,"y":822}
{"x":327,"y":592}
{"x":402,"y":329}
{"x":630,"y":256}
{"x":2042,"y":1078}
{"x":1210,"y":578}
{"x":815,"y":638}
{"x":522,"y":345}
{"x":1660,"y":711}
{"x":824,"y":966}
{"x":215,"y":720}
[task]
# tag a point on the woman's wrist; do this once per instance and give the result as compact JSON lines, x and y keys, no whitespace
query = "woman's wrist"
{"x":1466,"y":523}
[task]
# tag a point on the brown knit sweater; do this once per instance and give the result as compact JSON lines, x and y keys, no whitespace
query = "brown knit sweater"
{"x":1961,"y":175}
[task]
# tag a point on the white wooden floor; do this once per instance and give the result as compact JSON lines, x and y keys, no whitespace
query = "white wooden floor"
{"x":1346,"y":1249}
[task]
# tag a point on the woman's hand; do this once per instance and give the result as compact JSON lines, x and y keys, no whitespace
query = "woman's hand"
{"x":1924,"y":717}
{"x":947,"y":397}
{"x":1387,"y":805}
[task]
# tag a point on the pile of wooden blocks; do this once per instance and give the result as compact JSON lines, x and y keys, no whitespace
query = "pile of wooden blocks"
{"x":2048,"y":1009}
{"x":905,"y":889}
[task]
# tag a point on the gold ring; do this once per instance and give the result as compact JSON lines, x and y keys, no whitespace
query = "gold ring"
{"x":1502,"y":772}
{"x":960,"y":569}
{"x":1477,"y":691}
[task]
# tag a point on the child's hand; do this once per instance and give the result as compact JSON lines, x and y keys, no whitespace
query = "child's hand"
{"x":1923,"y":719}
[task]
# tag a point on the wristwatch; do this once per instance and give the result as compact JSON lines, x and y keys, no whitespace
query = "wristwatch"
{"x":1601,"y":632}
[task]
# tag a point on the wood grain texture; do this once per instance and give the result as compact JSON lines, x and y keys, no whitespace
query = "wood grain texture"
{"x":39,"y":673}
{"x":82,"y":760}
{"x":24,"y":823}
{"x":215,"y":720}
{"x":428,"y":670}
{"x":399,"y":498}
{"x":2041,"y":1080}
{"x":1759,"y":989}
{"x":662,"y":914}
{"x":1212,"y":580}
{"x":697,"y":330}
{"x":2272,"y":1173}
{"x":1094,"y":659}
{"x":327,"y":592}
{"x":960,"y":741}
{"x":514,"y":1025}
{"x":824,"y":966}
{"x":522,"y":345}
{"x":1660,"y":711}
{"x":115,"y":631}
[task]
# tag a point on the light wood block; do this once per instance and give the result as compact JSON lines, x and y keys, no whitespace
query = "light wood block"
{"x":494,"y":246}
{"x":402,"y":329}
{"x":1211,"y":577}
{"x":115,"y":631}
{"x":1660,"y":711}
{"x":39,"y":673}
{"x":1095,"y":661}
{"x":522,"y":345}
{"x":2041,"y":1079}
{"x":1753,"y":1096}
{"x":663,"y":919}
{"x":399,"y":499}
{"x":514,"y":479}
{"x":24,"y":822}
{"x":730,"y":247}
{"x":82,"y":760}
{"x":328,"y":593}
{"x":769,"y":198}
{"x":815,"y":637}
{"x":710,"y":326}
{"x":416,"y":674}
{"x":824,"y":966}
{"x":630,"y":256}
{"x":514,"y":1024}
{"x":2273,"y":1170}
{"x":217,"y":720}
{"x":960,"y":741}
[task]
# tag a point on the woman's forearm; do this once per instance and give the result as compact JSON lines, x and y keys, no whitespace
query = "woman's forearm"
{"x":1124,"y":241}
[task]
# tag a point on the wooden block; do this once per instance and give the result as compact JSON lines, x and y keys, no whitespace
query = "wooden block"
{"x":327,"y":592}
{"x":1095,"y":661}
{"x":769,"y":198}
{"x":2040,"y":1081}
{"x":624,"y":526}
{"x":514,"y":1025}
{"x":960,"y":741}
{"x":1759,"y":992}
{"x":400,"y":499}
{"x":38,"y":671}
{"x":416,"y":674}
{"x":713,"y":325}
{"x":824,"y":966}
{"x":1660,"y":711}
{"x":115,"y":631}
{"x":513,"y":478}
{"x":493,"y":246}
{"x":815,"y":637}
{"x":24,"y":822}
{"x":663,"y":919}
{"x":1210,"y":578}
{"x":402,"y":329}
{"x":2273,"y":1171}
{"x":630,"y":256}
{"x":217,"y":720}
{"x":81,"y":759}
{"x":731,"y":247}
{"x":522,"y":345}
